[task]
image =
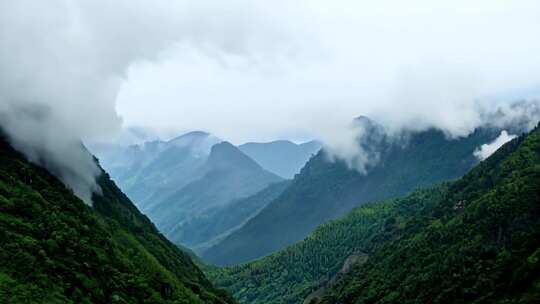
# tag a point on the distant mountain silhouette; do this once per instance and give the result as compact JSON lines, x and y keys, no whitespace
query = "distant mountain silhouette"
{"x":325,"y":190}
{"x":186,"y":177}
{"x":281,"y":157}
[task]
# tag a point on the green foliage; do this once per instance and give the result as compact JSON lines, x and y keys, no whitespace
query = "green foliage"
{"x":290,"y":275}
{"x":55,"y":249}
{"x":325,"y":190}
{"x":475,"y":240}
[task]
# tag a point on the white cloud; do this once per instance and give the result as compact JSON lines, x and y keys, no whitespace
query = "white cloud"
{"x":61,"y":67}
{"x":252,"y":70}
{"x":486,"y":150}
{"x":306,"y":69}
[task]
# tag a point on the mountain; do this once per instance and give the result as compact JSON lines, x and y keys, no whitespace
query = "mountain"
{"x":156,"y":169}
{"x":478,"y":242}
{"x":202,"y":231}
{"x":227,"y":175}
{"x":327,"y":189}
{"x":190,"y":177}
{"x":281,"y":157}
{"x":474,"y":240}
{"x":56,"y":249}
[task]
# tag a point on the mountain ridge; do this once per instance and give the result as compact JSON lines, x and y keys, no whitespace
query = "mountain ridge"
{"x":56,"y":249}
{"x":473,"y":240}
{"x":324,"y":190}
{"x":227,"y":175}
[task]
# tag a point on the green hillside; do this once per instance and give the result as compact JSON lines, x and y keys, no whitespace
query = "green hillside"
{"x":56,"y":249}
{"x":325,"y":190}
{"x":475,"y":240}
{"x":478,"y":243}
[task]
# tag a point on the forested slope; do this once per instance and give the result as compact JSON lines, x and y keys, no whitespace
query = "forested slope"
{"x":56,"y":249}
{"x":479,"y":243}
{"x":325,"y":190}
{"x":473,"y":240}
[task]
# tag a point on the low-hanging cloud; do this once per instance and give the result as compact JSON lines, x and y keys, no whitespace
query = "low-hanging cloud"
{"x":62,"y":65}
{"x":403,"y":64}
{"x":252,"y":70}
{"x":486,"y":150}
{"x":406,"y":65}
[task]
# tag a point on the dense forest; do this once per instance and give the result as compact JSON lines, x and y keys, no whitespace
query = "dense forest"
{"x":269,"y":152}
{"x":326,"y":189}
{"x":56,"y":249}
{"x":475,"y":240}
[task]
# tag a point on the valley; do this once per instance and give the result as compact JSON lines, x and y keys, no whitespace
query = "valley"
{"x":269,"y":152}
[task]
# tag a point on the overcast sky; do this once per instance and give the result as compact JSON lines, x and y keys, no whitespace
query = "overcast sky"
{"x":254,"y":70}
{"x":261,"y":70}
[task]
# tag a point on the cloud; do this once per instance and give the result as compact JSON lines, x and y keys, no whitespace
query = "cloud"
{"x":251,"y":70}
{"x":486,"y":150}
{"x":63,"y":63}
{"x":305,"y":70}
{"x":61,"y":67}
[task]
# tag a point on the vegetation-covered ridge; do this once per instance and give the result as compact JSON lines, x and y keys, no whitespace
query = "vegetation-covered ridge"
{"x":56,"y":249}
{"x":475,"y":240}
{"x":325,"y":190}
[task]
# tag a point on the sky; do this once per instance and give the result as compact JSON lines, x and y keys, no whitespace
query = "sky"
{"x":260,"y":70}
{"x":254,"y":70}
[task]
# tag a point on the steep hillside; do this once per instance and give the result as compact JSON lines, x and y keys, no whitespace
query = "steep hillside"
{"x":478,"y":243}
{"x":325,"y":190}
{"x":475,"y":240}
{"x":229,"y":175}
{"x":292,"y":274}
{"x":56,"y":249}
{"x":202,"y":231}
{"x":281,"y":157}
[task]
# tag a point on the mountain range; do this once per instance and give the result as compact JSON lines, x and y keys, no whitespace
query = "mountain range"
{"x":195,"y":179}
{"x":473,"y":240}
{"x":326,"y":189}
{"x":228,"y":175}
{"x":156,"y":169}
{"x":56,"y":249}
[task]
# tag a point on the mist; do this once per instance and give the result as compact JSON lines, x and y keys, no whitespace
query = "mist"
{"x":61,"y":66}
{"x":487,"y":149}
{"x":79,"y":71}
{"x":305,"y":70}
{"x":311,"y":67}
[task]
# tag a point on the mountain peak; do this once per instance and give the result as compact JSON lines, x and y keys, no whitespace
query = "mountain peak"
{"x":224,"y":156}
